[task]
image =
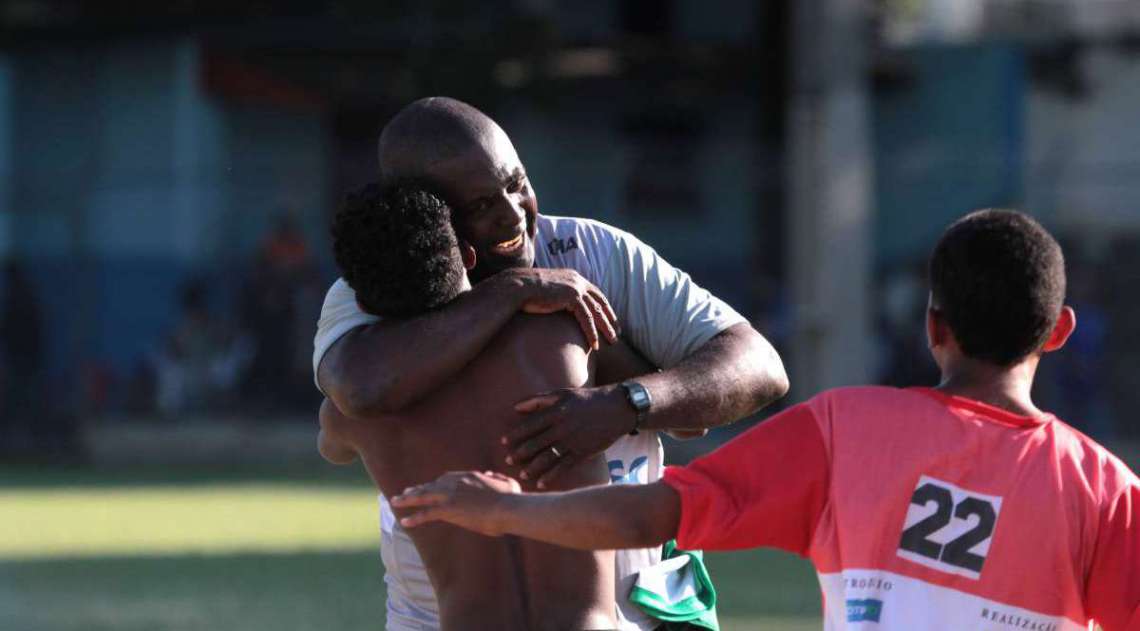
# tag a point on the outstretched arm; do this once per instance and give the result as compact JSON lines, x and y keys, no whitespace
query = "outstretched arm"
{"x":385,"y":366}
{"x":767,"y":487}
{"x":596,"y":518}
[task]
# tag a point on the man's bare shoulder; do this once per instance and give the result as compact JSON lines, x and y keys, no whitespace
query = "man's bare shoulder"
{"x":557,"y":328}
{"x":549,"y":349}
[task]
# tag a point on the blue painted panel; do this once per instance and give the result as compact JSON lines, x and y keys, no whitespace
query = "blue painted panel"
{"x":110,"y":311}
{"x":948,"y":144}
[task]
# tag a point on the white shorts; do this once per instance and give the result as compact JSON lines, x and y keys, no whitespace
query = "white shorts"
{"x":411,"y":599}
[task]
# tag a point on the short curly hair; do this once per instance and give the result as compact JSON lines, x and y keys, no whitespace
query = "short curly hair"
{"x":396,"y":248}
{"x":998,"y":278}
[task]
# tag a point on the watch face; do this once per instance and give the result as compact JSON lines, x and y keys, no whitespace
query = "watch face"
{"x":639,"y":398}
{"x":638,"y":395}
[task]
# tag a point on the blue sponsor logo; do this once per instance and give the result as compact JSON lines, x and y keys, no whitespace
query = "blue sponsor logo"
{"x":867,"y":610}
{"x":619,"y":475}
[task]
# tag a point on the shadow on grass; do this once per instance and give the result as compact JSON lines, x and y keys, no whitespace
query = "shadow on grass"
{"x":304,"y":591}
{"x":31,"y":477}
{"x":248,"y":592}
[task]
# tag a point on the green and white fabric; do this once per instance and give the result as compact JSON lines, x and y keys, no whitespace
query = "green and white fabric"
{"x":677,"y":591}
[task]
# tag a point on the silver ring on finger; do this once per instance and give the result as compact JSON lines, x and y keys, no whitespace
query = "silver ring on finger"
{"x":554,"y":450}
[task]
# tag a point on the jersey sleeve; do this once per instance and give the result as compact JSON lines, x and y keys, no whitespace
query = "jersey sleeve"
{"x":1113,"y":588}
{"x":663,"y":312}
{"x":766,"y":487}
{"x":339,"y":315}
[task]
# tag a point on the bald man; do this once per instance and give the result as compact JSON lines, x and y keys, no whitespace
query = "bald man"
{"x":715,"y":367}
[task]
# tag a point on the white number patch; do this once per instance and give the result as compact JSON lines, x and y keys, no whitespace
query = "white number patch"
{"x":949,"y":528}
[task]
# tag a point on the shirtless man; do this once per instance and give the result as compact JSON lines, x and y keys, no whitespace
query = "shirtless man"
{"x":398,"y":250}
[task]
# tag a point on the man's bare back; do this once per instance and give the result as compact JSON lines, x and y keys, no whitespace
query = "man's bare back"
{"x":483,"y":582}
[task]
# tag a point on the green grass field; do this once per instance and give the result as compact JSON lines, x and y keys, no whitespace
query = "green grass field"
{"x":251,"y":550}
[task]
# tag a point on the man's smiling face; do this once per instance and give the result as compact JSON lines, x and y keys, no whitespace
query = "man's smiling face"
{"x":494,"y":206}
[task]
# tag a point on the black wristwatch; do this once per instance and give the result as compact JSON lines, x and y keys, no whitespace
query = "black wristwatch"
{"x":639,"y":398}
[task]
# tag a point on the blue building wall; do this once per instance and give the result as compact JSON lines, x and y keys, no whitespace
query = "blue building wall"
{"x":121,"y":178}
{"x":124,"y":178}
{"x":949,"y":143}
{"x":579,"y":161}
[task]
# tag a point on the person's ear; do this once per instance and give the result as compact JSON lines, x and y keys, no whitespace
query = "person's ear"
{"x":936,"y":329}
{"x":468,"y":254}
{"x":1066,"y":324}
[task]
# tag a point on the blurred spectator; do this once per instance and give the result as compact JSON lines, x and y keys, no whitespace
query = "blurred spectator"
{"x":182,"y":364}
{"x":202,"y":361}
{"x":308,"y":297}
{"x":284,"y":249}
{"x":1077,"y":377}
{"x":30,"y":428}
{"x":1121,"y":278}
{"x":260,"y":359}
{"x":906,"y":360}
{"x":21,"y":359}
{"x":141,"y":389}
{"x":279,"y":303}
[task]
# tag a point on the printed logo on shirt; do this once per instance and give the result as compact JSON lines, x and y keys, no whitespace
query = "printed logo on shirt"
{"x":865,"y":583}
{"x":558,"y":246}
{"x":619,"y":475}
{"x":949,"y":528}
{"x":1017,"y":621}
{"x":866,"y":610}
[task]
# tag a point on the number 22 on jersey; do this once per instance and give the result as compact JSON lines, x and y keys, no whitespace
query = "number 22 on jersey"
{"x":949,"y":528}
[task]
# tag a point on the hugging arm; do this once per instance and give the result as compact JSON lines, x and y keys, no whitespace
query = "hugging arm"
{"x":717,"y":367}
{"x":385,"y":366}
{"x":619,"y":362}
{"x":732,"y":375}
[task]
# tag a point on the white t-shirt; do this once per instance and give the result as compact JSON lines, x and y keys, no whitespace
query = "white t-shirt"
{"x":662,"y":313}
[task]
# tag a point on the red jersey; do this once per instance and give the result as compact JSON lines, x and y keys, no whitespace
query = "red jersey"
{"x":925,"y":511}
